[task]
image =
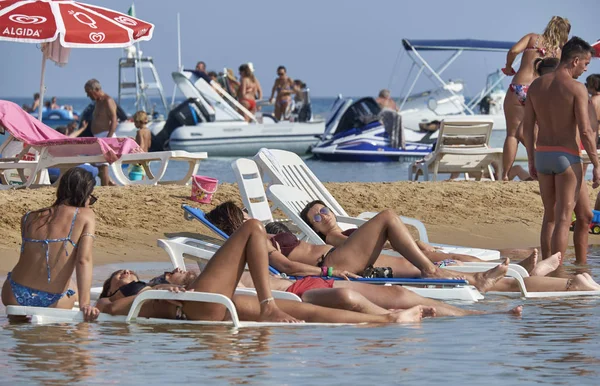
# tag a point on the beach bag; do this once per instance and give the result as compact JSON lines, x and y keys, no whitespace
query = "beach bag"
{"x":378,"y":272}
{"x":203,"y":188}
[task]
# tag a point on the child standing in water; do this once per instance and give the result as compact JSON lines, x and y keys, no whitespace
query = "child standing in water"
{"x":144,"y":136}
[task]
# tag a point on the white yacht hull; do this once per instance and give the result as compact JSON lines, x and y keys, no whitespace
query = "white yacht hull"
{"x":228,"y":139}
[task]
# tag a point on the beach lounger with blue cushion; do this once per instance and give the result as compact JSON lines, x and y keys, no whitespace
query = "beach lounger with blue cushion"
{"x":454,"y":289}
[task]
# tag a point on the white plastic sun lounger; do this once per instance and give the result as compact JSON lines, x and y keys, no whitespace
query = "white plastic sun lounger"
{"x":200,"y":251}
{"x":39,"y":315}
{"x":253,"y":195}
{"x":286,"y":168}
{"x":462,"y":147}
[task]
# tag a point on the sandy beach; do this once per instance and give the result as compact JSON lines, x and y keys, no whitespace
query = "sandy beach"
{"x":130,"y":219}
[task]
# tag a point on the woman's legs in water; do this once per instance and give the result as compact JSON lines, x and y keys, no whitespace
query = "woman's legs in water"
{"x":514,"y":113}
{"x":248,"y":309}
{"x":397,"y":297}
{"x":546,"y":284}
{"x":223,"y":271}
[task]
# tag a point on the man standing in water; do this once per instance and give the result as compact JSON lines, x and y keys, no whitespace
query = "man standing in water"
{"x":559,"y":105}
{"x":104,"y":122}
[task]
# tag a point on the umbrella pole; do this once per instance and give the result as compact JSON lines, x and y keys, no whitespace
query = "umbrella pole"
{"x":42,"y":86}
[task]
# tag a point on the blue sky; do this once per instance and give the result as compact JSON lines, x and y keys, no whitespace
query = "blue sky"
{"x":336,"y":46}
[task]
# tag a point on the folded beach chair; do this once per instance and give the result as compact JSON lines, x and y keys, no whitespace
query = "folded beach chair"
{"x":57,"y":150}
{"x":39,"y":315}
{"x":203,"y":250}
{"x":286,"y":168}
{"x":462,"y":147}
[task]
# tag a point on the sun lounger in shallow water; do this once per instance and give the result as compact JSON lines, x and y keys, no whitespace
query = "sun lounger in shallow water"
{"x":286,"y":168}
{"x":39,"y":315}
{"x":201,"y":251}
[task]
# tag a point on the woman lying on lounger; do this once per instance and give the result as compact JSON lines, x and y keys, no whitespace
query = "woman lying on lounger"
{"x":351,"y":259}
{"x":221,"y":275}
{"x":340,"y":294}
{"x":55,"y":242}
{"x":324,"y":222}
{"x":298,"y":258}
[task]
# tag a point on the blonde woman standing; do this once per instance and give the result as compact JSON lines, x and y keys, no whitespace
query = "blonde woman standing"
{"x":532,"y":46}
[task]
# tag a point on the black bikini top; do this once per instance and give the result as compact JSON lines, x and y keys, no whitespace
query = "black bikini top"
{"x":287,"y":242}
{"x":348,"y":232}
{"x":131,"y":289}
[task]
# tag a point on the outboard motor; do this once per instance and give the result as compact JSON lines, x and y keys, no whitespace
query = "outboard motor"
{"x":188,"y":113}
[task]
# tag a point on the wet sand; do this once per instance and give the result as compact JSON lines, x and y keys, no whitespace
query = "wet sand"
{"x":131,"y":219}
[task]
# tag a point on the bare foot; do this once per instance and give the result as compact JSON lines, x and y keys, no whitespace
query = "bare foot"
{"x":271,"y":313}
{"x":411,"y":315}
{"x":580,"y":283}
{"x":438,"y":273}
{"x":484,"y":281}
{"x":590,"y":280}
{"x":548,"y":265}
{"x":530,"y":263}
{"x":517,"y":311}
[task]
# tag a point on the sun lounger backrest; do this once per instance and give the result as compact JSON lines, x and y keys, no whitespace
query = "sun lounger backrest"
{"x":286,"y":168}
{"x":464,"y":134}
{"x":198,"y":214}
{"x":252,"y":189}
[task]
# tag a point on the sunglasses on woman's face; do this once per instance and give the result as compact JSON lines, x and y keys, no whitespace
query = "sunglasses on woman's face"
{"x":280,"y":73}
{"x":323,"y":211}
{"x":93,"y":199}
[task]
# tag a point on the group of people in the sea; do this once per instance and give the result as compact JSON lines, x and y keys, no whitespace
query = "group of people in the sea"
{"x":248,"y":91}
{"x":545,"y":107}
{"x":58,"y":240}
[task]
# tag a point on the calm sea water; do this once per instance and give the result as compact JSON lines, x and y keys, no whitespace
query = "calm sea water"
{"x":555,"y":342}
{"x":220,"y":167}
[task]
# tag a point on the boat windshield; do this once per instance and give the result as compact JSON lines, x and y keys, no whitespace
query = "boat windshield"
{"x":356,"y":115}
{"x":493,"y":82}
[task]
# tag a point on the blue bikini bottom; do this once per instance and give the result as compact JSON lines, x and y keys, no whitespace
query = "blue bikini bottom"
{"x":34,"y":298}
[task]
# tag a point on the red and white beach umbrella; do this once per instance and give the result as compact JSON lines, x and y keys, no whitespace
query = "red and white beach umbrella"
{"x":596,"y":47}
{"x":65,"y":24}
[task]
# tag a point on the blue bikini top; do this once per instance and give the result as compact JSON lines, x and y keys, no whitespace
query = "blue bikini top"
{"x":45,"y":242}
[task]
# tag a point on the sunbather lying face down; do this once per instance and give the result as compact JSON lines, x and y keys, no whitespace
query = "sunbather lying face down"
{"x":221,"y":275}
{"x":55,"y":242}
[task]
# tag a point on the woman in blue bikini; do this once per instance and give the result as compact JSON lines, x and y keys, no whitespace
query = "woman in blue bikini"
{"x":55,"y":242}
{"x":532,"y":46}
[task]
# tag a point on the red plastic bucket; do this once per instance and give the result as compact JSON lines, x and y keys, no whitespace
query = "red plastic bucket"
{"x":203,"y":188}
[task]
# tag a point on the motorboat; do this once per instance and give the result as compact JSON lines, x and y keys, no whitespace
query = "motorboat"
{"x":448,"y":99}
{"x":211,"y":120}
{"x":356,"y":131}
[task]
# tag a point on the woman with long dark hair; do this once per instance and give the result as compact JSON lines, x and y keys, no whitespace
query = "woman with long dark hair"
{"x":55,"y":242}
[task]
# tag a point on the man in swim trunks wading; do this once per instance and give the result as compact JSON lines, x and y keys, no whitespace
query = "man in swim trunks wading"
{"x":559,"y":105}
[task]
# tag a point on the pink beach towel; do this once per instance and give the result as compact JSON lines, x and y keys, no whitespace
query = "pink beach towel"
{"x":27,"y":129}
